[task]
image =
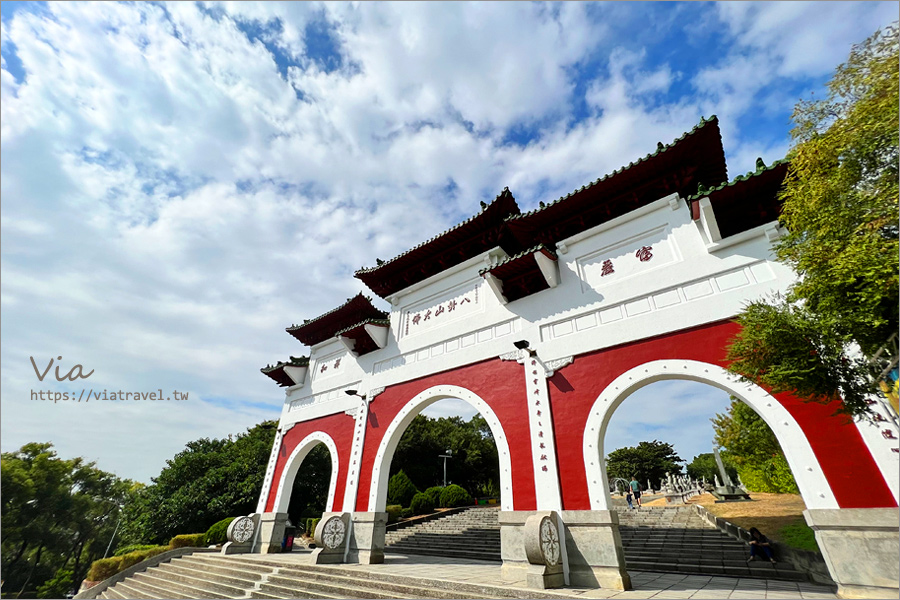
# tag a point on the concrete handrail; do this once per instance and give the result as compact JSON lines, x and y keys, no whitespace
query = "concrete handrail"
{"x":811,"y":563}
{"x":94,"y":591}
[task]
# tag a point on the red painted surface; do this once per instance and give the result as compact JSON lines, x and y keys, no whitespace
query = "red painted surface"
{"x":340,"y":428}
{"x":842,"y":454}
{"x":499,"y":383}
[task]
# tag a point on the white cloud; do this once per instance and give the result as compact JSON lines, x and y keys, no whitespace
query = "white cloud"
{"x":170,"y":204}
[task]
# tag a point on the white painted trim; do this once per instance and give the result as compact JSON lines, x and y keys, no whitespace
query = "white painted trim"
{"x":549,"y":268}
{"x":496,"y":286}
{"x":811,"y":480}
{"x":297,"y":374}
{"x":880,"y":448}
{"x":631,"y":216}
{"x":495,"y":253}
{"x":381,"y":466}
{"x":740,"y":238}
{"x":283,"y":499}
{"x":708,"y":221}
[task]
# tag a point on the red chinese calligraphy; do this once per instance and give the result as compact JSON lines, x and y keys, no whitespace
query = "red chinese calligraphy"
{"x":464,"y":300}
{"x":540,"y":434}
{"x":439,"y":310}
{"x":538,"y":413}
{"x":451,"y":305}
{"x":544,"y":468}
{"x":645,"y":253}
{"x":543,"y":457}
{"x":427,"y":314}
{"x":879,"y":418}
{"x":541,"y":445}
{"x":888,"y":434}
{"x":607,"y":268}
{"x":416,"y":319}
{"x":337,"y":363}
{"x":323,"y":369}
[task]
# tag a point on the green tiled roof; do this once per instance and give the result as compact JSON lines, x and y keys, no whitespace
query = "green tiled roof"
{"x":484,"y":207}
{"x":760,"y":169}
{"x":322,"y":316}
{"x":660,"y":148}
{"x":366,"y":322}
{"x":510,"y":259}
{"x":294,"y":361}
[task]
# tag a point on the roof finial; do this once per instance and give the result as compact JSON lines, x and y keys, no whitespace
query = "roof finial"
{"x":379,"y":262}
{"x":483,"y":205}
{"x":660,"y":146}
{"x":760,"y":165}
{"x":542,"y":204}
{"x":702,"y":189}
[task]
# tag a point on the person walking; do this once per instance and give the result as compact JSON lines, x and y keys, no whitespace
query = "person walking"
{"x":628,"y":497}
{"x":636,"y":490}
{"x":760,"y":544}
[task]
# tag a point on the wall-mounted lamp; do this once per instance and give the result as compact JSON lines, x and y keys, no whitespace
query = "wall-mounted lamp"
{"x":524,"y":345}
{"x":355,"y":393}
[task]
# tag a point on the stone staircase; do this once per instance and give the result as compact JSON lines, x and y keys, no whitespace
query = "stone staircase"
{"x":676,"y":539}
{"x":663,"y":539}
{"x":473,"y":534}
{"x":217,"y":576}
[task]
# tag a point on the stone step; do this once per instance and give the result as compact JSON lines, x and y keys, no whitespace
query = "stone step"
{"x":134,"y":588}
{"x":184,"y":584}
{"x":232,"y":562}
{"x":446,"y":552}
{"x":327,"y":582}
{"x":191,"y":574}
{"x":226,"y":569}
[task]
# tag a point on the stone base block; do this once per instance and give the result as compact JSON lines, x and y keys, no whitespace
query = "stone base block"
{"x":323,"y":554}
{"x":232,"y":548}
{"x":367,"y":538}
{"x":538,"y":577}
{"x":594,"y":548}
{"x":271,"y":533}
{"x":861,"y":547}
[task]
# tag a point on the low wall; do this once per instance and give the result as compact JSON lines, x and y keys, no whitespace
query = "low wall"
{"x":811,"y":563}
{"x":94,"y":591}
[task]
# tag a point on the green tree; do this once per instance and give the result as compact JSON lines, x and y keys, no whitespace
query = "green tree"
{"x":203,"y":484}
{"x":647,"y":460}
{"x":841,"y":212}
{"x":309,"y":493}
{"x":752,"y":446}
{"x":475,"y":464}
{"x":401,"y":489}
{"x":704,"y":466}
{"x":57,"y":517}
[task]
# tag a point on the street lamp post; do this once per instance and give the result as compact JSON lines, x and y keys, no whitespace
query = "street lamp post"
{"x":445,"y":457}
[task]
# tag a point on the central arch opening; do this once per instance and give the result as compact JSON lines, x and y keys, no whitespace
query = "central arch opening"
{"x":445,"y":435}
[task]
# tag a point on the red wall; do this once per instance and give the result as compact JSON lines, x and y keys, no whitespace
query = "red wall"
{"x":340,"y":428}
{"x":842,"y":454}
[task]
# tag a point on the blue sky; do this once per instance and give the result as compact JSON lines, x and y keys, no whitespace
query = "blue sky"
{"x":181,"y":181}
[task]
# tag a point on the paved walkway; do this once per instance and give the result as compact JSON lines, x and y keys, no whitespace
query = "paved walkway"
{"x":645,"y":584}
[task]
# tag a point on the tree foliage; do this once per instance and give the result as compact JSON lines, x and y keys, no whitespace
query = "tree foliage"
{"x":208,"y":481}
{"x":57,"y":517}
{"x":704,"y":466}
{"x":752,"y":446}
{"x":841,"y":214}
{"x":475,"y":464}
{"x":646,"y":461}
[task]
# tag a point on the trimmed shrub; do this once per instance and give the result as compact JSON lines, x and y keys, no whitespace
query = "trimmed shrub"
{"x":453,"y":496}
{"x":394,"y":512}
{"x":218,"y":532}
{"x":406,"y":513}
{"x":401,"y":489}
{"x":311,"y":526}
{"x":434,"y":494}
{"x":133,"y":558}
{"x":107,"y":567}
{"x":187,"y":540}
{"x":104,"y":568}
{"x":421,"y":504}
{"x":133,"y":548}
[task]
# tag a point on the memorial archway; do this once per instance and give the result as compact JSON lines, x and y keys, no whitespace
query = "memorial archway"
{"x":293,"y":464}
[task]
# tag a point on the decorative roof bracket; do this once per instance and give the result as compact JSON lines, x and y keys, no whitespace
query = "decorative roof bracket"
{"x":496,"y":286}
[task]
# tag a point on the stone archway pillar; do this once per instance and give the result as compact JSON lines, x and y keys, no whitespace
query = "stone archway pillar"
{"x":861,"y":548}
{"x":271,"y":532}
{"x":367,"y":532}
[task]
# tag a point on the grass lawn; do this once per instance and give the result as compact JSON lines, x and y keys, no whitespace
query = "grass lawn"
{"x":777,"y":516}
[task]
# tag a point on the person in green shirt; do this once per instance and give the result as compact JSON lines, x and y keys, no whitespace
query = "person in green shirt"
{"x":636,"y":490}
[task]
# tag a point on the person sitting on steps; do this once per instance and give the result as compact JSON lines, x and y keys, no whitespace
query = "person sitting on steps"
{"x":760,"y":544}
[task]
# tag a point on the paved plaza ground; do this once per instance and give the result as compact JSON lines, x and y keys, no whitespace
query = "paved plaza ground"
{"x":646,"y":584}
